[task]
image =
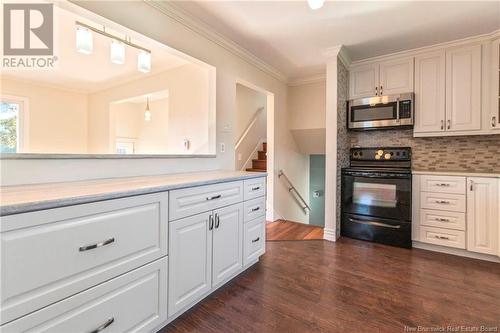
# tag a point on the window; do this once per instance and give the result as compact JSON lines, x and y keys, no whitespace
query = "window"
{"x":124,"y":146}
{"x":13,"y":129}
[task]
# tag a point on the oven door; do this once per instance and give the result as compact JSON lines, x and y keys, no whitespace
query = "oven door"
{"x":377,"y":194}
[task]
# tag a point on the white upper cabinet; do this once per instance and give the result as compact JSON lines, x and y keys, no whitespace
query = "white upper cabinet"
{"x":396,"y":76}
{"x":430,"y":92}
{"x":364,"y":81}
{"x":384,"y":78}
{"x":495,"y":86}
{"x":482,"y":215}
{"x":463,"y":88}
{"x":227,"y":242}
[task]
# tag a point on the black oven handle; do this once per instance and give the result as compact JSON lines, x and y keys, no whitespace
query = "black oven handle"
{"x":380,"y":176}
{"x":375,"y":223}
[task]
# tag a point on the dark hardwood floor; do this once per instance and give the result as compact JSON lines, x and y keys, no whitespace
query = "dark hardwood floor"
{"x":350,"y":286}
{"x":286,"y":230}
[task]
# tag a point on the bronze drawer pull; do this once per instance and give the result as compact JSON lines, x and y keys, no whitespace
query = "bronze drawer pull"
{"x":255,"y":209}
{"x":104,"y":326}
{"x":442,"y":220}
{"x":255,"y":188}
{"x":442,"y":237}
{"x":442,"y":202}
{"x":255,"y":240}
{"x":214,"y":197}
{"x":96,"y":245}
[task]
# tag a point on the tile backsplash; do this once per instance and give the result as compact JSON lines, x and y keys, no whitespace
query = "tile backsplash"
{"x":461,"y":153}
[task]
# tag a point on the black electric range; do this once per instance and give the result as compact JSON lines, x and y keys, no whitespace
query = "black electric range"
{"x":376,"y":196}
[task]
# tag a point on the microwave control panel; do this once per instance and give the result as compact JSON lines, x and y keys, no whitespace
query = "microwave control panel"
{"x":405,"y":109}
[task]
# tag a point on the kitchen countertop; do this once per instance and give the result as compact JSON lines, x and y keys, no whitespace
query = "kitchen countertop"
{"x":458,"y":173}
{"x":27,"y":198}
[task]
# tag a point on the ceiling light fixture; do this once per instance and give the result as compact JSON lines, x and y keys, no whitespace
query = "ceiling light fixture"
{"x":117,"y":52}
{"x":144,"y":61}
{"x":84,"y":43}
{"x":147,"y":113}
{"x":315,"y":4}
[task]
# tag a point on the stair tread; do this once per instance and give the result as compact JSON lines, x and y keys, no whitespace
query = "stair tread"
{"x":257,"y":160}
{"x":256,"y":170}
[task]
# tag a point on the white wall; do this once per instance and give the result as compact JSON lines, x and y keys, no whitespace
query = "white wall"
{"x":57,"y":118}
{"x":307,"y":105}
{"x":230,"y":69}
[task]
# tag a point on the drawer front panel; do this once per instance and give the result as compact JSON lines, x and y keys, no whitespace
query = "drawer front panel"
{"x":443,"y":201}
{"x":254,"y":240}
{"x":74,"y":248}
{"x":135,"y":301}
{"x":442,"y":219}
{"x":444,"y":237}
{"x":254,"y":208}
{"x":442,"y":184}
{"x":255,"y":188}
{"x":195,"y":200}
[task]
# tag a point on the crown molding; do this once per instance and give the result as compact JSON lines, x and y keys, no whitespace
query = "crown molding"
{"x":411,"y":52}
{"x":340,"y":52}
{"x":203,"y":29}
{"x":307,"y":80}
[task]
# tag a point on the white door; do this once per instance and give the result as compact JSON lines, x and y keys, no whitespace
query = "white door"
{"x":396,"y":76}
{"x":482,"y":215}
{"x":363,"y":81}
{"x":430,"y":92}
{"x":463,"y":88}
{"x":190,"y":261}
{"x":227,"y":242}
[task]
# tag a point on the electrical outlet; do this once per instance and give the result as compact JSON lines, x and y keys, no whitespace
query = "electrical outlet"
{"x":222,"y":147}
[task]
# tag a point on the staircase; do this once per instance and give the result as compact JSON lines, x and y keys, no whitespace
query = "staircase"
{"x":260,"y":164}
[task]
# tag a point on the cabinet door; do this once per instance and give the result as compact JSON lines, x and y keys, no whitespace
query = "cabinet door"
{"x":190,"y":261}
{"x":396,"y":76}
{"x":363,"y":81}
{"x":482,"y":215}
{"x":227,"y":242}
{"x":463,"y":88}
{"x":430,"y":92}
{"x":495,"y":86}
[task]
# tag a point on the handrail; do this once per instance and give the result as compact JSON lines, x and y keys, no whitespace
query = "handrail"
{"x":291,"y":188}
{"x":247,"y":129}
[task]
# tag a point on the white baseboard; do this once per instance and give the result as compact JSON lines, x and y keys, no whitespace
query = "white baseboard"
{"x":329,"y":235}
{"x":456,"y":252}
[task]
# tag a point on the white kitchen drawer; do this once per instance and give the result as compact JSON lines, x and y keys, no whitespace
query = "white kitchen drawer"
{"x":254,"y":240}
{"x":443,"y":184}
{"x":442,"y":219}
{"x":255,"y":188}
{"x":444,"y":237}
{"x":47,"y":260}
{"x":199,"y":199}
{"x":443,"y":201}
{"x":135,"y":301}
{"x":254,"y":208}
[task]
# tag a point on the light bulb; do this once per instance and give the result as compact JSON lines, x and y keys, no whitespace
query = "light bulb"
{"x":315,"y":4}
{"x":147,"y":115}
{"x":144,"y":61}
{"x":84,"y":42}
{"x":117,"y":52}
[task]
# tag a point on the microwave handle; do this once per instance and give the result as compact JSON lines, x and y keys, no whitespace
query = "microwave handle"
{"x":397,"y":110}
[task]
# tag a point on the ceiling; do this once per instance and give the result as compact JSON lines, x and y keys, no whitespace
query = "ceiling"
{"x":90,"y":73}
{"x":293,"y":38}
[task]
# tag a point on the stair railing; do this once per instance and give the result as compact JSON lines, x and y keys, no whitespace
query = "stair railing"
{"x":249,"y":127}
{"x":292,"y":189}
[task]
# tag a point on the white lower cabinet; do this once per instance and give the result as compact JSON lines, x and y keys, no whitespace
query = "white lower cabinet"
{"x":482,"y":215}
{"x":254,"y":240}
{"x":190,"y":264}
{"x":133,"y":302}
{"x":466,"y":216}
{"x":227,"y":243}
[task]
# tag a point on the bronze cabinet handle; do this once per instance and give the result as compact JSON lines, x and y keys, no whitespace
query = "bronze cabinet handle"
{"x":255,"y":209}
{"x":442,"y":124}
{"x":255,"y":188}
{"x":96,"y":245}
{"x":218,"y":196}
{"x":493,"y":121}
{"x":449,"y":123}
{"x":104,"y":326}
{"x":255,"y":240}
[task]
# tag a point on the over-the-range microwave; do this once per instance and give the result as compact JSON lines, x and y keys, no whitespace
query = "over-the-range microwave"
{"x":380,"y":112}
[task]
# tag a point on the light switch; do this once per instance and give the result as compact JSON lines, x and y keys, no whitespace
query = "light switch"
{"x":222,"y":147}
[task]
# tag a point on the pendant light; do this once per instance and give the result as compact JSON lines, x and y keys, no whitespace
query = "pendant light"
{"x":117,"y":52}
{"x":144,"y":61}
{"x":84,"y":42}
{"x":315,"y":4}
{"x":147,"y":113}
